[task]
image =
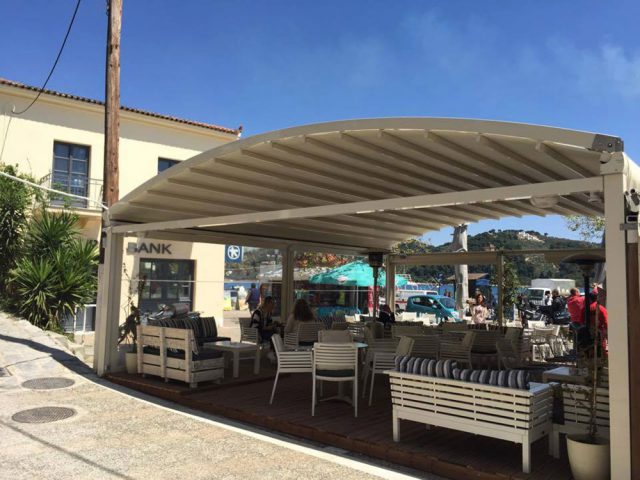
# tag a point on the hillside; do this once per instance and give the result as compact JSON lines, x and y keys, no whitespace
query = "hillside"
{"x":527,"y":267}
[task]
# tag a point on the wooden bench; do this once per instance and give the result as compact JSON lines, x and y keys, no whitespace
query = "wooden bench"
{"x":577,"y":415}
{"x":172,"y":353}
{"x":521,"y":416}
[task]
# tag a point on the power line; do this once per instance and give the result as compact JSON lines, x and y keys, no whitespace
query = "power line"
{"x":64,"y":42}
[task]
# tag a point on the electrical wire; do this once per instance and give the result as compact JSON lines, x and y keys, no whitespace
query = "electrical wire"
{"x":52,"y":190}
{"x":64,"y":42}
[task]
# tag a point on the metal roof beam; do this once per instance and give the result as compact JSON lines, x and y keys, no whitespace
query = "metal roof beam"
{"x":418,"y":201}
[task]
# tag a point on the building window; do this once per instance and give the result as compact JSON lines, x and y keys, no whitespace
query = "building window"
{"x":70,"y":173}
{"x":166,"y":282}
{"x":164,"y":163}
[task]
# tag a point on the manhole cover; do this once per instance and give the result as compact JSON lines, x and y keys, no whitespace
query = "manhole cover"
{"x":4,"y":372}
{"x":43,"y":415}
{"x":48,"y":383}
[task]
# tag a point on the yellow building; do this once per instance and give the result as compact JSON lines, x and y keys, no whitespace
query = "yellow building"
{"x":60,"y":140}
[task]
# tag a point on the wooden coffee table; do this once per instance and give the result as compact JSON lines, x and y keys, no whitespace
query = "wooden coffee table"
{"x":236,"y":348}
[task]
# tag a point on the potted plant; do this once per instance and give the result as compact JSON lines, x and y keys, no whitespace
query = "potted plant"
{"x":589,"y":454}
{"x":128,"y":331}
{"x":128,"y":334}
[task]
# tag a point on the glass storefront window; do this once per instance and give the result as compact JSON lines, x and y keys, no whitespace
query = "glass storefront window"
{"x":166,"y":282}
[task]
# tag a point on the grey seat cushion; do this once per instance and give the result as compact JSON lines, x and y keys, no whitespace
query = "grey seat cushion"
{"x":335,"y":373}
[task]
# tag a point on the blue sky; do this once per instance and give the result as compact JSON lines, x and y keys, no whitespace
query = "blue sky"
{"x":273,"y":64}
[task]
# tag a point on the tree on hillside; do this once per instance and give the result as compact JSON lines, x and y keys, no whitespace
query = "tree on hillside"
{"x":590,"y":229}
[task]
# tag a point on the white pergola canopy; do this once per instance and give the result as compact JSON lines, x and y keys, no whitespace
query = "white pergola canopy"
{"x":367,"y":184}
{"x":364,"y":185}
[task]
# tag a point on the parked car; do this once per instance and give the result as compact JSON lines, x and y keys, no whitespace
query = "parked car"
{"x":442,"y":307}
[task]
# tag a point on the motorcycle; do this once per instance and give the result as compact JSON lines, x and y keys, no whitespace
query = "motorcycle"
{"x":176,"y":310}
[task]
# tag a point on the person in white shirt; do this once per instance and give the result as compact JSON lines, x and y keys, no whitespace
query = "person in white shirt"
{"x":479,"y":311}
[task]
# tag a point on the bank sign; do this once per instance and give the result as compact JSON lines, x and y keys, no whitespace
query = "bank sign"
{"x":232,"y":253}
{"x":161,"y":248}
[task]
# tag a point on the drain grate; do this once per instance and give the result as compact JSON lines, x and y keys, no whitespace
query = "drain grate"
{"x":43,"y":415}
{"x":4,"y":372}
{"x":48,"y":383}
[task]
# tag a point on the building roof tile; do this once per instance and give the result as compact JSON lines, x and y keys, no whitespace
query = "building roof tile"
{"x":233,"y":131}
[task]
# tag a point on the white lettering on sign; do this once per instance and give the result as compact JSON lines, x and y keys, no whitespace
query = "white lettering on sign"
{"x":161,"y":248}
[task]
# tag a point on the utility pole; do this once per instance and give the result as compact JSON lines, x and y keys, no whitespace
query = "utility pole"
{"x":105,"y":330}
{"x":110,"y":190}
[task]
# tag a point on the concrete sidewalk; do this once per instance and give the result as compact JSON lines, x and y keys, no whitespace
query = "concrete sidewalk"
{"x":117,"y":433}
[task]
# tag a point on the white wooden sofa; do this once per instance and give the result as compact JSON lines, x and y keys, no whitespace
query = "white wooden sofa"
{"x":576,"y":414}
{"x":518,"y":415}
{"x":172,"y":353}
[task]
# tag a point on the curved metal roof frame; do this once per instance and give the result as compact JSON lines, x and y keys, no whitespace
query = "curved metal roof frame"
{"x":367,"y":184}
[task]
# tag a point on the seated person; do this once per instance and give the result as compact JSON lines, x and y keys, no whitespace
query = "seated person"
{"x":261,"y":319}
{"x":387,"y":317}
{"x":301,"y":313}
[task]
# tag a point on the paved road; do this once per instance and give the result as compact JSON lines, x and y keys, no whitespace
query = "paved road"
{"x":117,"y":433}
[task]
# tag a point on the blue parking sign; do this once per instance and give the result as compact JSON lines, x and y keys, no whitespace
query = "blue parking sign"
{"x":233,"y":253}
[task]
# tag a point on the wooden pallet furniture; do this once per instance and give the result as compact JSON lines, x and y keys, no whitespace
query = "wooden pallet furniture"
{"x":576,"y":414}
{"x":521,"y":416}
{"x":172,"y":353}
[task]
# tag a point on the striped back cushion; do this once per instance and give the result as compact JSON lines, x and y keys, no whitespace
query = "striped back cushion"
{"x":449,"y":369}
{"x":425,"y":366}
{"x":193,"y":324}
{"x":209,"y":327}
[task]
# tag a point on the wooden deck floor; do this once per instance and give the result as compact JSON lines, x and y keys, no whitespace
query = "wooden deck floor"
{"x":444,"y":452}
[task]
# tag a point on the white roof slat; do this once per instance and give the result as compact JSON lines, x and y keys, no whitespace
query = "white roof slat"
{"x":366,"y":184}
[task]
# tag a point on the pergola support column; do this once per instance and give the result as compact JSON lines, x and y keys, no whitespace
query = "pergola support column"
{"x":390,"y":270}
{"x":616,"y":255}
{"x":500,"y":278}
{"x":287,"y":292}
{"x":633,"y":313}
{"x":108,"y":305}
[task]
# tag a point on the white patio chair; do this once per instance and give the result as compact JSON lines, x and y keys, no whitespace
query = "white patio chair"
{"x":308,"y":332}
{"x":289,"y":362}
{"x":406,"y":316}
{"x":357,"y":330}
{"x":335,"y":362}
{"x":291,"y":341}
{"x":383,"y":361}
{"x":401,"y":330}
{"x":334,"y":336}
{"x":426,"y":346}
{"x":249,"y":335}
{"x":375,"y":345}
{"x":339,"y":325}
{"x":541,"y":339}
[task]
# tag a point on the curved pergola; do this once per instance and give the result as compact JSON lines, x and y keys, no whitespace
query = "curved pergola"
{"x":363,"y":185}
{"x":367,"y":184}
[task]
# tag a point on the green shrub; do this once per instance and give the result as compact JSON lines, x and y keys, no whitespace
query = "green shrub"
{"x":16,"y":200}
{"x":59,"y":272}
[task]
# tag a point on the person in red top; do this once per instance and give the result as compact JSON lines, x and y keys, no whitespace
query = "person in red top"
{"x":575,"y":306}
{"x":603,"y":317}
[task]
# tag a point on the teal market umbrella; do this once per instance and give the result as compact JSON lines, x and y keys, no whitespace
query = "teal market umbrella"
{"x":355,"y":274}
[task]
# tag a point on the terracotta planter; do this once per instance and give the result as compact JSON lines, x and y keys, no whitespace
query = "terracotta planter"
{"x":131,"y":362}
{"x":589,"y":460}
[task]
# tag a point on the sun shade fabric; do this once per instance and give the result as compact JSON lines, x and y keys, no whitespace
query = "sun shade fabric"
{"x":354,"y":274}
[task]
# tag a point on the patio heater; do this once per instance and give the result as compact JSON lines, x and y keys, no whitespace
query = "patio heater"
{"x":375,"y":262}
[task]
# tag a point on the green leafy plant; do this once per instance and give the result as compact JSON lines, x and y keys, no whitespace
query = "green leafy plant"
{"x":58,"y":273}
{"x":128,"y":331}
{"x":16,"y":201}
